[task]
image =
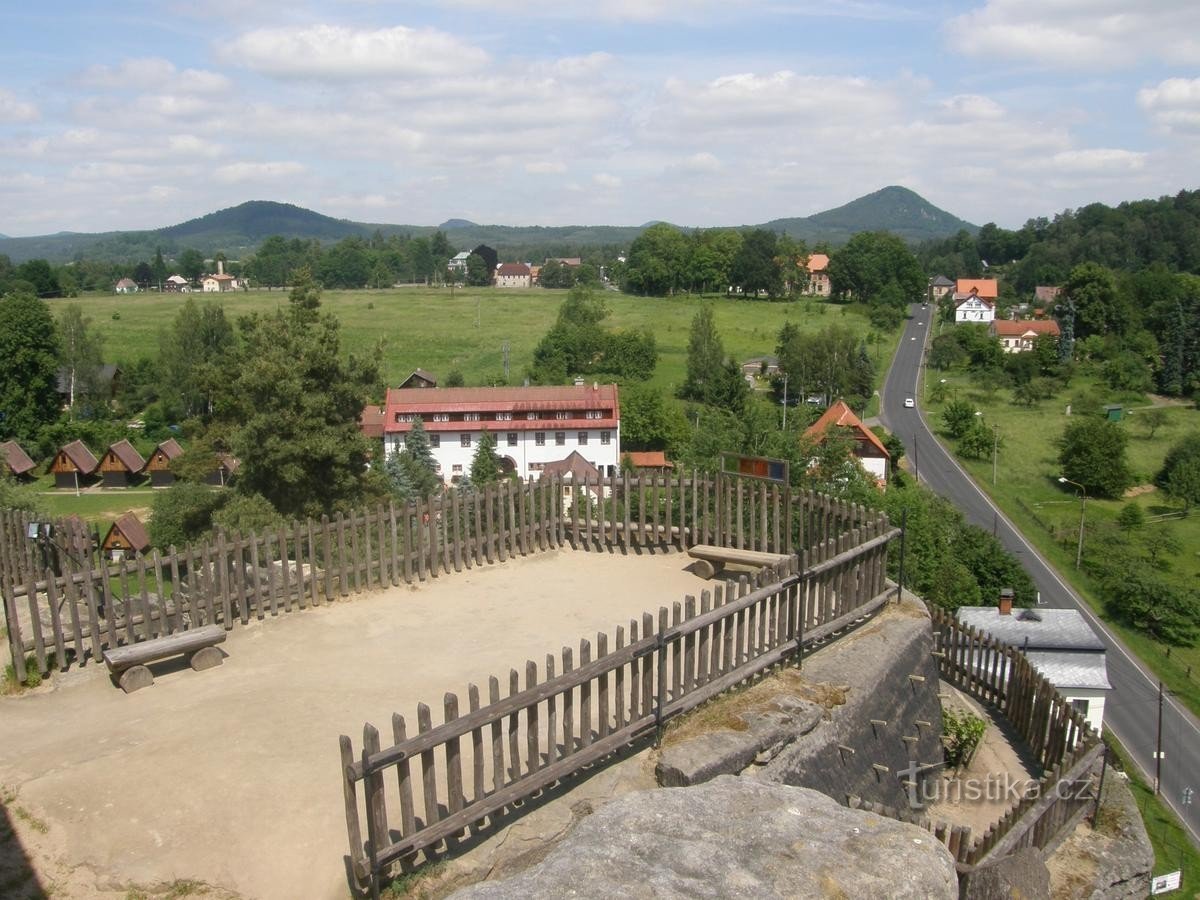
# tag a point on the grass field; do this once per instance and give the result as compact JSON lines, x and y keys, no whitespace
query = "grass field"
{"x":431,"y":328}
{"x":1028,"y":491}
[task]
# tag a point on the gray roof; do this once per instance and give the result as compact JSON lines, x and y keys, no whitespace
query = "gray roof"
{"x":942,"y":281}
{"x":1042,"y":628}
{"x":1072,"y":668}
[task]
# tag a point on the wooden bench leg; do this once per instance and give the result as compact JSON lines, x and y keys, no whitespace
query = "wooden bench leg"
{"x":704,"y":568}
{"x":135,"y":678}
{"x":206,"y":658}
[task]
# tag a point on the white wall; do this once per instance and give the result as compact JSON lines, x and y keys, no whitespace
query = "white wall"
{"x":1095,"y":699}
{"x":526,"y":453}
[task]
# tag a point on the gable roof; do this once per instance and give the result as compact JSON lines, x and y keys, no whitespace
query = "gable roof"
{"x":170,"y":448}
{"x":960,"y":299}
{"x":126,"y":283}
{"x":131,"y":528}
{"x":840,"y":415}
{"x":16,"y":458}
{"x":1021,"y":327}
{"x":128,"y":456}
{"x":513,"y":269}
{"x":177,"y":279}
{"x":80,"y":456}
{"x":521,"y":401}
{"x":649,"y":459}
{"x":422,"y":375}
{"x":941,"y":281}
{"x":818,"y":262}
{"x":573,"y":465}
{"x":370,"y":423}
{"x":986,"y":288}
{"x":1043,"y":628}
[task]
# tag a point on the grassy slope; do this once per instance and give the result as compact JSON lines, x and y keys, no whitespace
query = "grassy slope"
{"x":1028,"y":492}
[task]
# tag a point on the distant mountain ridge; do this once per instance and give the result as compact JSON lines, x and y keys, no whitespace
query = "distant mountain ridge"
{"x":240,"y":229}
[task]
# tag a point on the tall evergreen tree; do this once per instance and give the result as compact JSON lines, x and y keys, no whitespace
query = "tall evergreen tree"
{"x":28,"y":365}
{"x":485,"y":466}
{"x":711,"y":378}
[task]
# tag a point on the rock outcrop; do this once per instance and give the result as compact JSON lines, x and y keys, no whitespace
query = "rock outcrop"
{"x":734,"y":838}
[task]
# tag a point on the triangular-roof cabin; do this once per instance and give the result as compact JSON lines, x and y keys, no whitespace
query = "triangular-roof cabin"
{"x":575,"y":470}
{"x":73,"y":463}
{"x":867,"y":446}
{"x":126,"y":537}
{"x":121,"y":464}
{"x":420,"y":379}
{"x":159,"y":463}
{"x":16,"y":460}
{"x":227,"y":467}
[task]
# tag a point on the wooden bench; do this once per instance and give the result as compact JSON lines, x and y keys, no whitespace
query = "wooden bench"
{"x":713,"y":559}
{"x":129,"y":662}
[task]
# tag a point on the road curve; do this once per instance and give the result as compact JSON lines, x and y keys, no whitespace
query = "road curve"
{"x":1131,"y":711}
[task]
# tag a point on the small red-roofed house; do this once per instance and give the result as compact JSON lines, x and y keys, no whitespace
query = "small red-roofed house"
{"x":16,"y":461}
{"x":868,"y":448}
{"x":120,"y":464}
{"x":818,"y":275}
{"x":126,"y":537}
{"x":513,"y":275}
{"x":1018,"y":337}
{"x":73,"y":463}
{"x":159,"y":464}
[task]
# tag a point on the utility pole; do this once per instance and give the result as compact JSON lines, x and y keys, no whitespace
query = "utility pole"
{"x":1082,"y":511}
{"x":785,"y":378}
{"x":917,"y":458}
{"x":995,"y":450}
{"x":1158,"y":754}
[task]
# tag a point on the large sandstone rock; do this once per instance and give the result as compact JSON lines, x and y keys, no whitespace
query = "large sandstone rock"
{"x":1022,"y":875}
{"x":734,"y":838}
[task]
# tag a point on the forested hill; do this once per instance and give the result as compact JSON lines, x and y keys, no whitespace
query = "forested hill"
{"x":896,"y":209}
{"x":1128,"y":237}
{"x":239,"y":230}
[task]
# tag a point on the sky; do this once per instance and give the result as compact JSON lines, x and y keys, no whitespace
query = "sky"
{"x":146,"y":113}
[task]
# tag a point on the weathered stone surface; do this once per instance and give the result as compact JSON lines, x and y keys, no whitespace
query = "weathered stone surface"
{"x":734,"y":838}
{"x":1023,"y":875}
{"x":729,"y":752}
{"x":1111,"y":861}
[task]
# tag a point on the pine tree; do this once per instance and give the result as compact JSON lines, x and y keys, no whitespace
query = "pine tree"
{"x":485,"y":466}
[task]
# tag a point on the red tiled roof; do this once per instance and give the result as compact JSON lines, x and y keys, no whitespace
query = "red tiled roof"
{"x":170,"y":448}
{"x":1006,"y":328}
{"x":371,"y":421}
{"x":986,"y":288}
{"x":842,"y":416}
{"x":219,"y":277}
{"x":818,"y":262}
{"x":519,"y":401}
{"x":131,"y":528}
{"x":513,"y":269}
{"x":16,"y":458}
{"x":649,"y":459}
{"x":574,"y":465}
{"x":127,"y":455}
{"x":80,"y":456}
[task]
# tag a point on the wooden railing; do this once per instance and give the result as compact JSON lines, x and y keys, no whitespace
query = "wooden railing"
{"x":64,"y":603}
{"x":578,"y":711}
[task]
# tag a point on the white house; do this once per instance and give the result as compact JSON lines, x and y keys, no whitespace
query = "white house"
{"x":975,"y":299}
{"x":1019,"y":336}
{"x":532,"y":426}
{"x":1059,"y":643}
{"x":513,"y":275}
{"x":127,"y":286}
{"x":818,"y":275}
{"x":459,"y":262}
{"x":215,"y":284}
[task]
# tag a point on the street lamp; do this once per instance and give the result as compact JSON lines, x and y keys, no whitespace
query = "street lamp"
{"x":1082,"y":507}
{"x":995,"y":450}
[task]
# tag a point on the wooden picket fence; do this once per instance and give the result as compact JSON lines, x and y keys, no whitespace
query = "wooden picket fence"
{"x":579,"y":710}
{"x":65,"y":604}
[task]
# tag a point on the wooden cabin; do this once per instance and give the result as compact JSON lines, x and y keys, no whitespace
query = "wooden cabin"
{"x":420,"y":379}
{"x":159,"y":463}
{"x":127,"y":537}
{"x":16,"y":461}
{"x":649,"y":462}
{"x":226,"y":468}
{"x":121,"y":464}
{"x":73,"y":463}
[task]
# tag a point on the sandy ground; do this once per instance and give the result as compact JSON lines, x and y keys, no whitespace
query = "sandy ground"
{"x":230,"y":776}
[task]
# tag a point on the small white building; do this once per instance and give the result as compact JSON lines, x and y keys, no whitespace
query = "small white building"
{"x":458,"y":263}
{"x":218,"y":283}
{"x":127,"y":286}
{"x":514,"y":275}
{"x":1059,"y":643}
{"x":532,"y":426}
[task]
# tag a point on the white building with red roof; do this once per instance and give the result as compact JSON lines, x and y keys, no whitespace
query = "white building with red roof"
{"x":514,"y":275}
{"x":818,"y":275}
{"x":868,"y":448}
{"x":532,"y":426}
{"x":1019,"y":336}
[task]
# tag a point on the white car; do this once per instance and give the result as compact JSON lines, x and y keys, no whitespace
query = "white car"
{"x":909,"y":403}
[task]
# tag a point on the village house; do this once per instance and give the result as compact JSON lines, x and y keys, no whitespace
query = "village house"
{"x":514,"y":275}
{"x":1044,"y":294}
{"x":176,"y":284}
{"x":1058,"y":642}
{"x":420,"y":379}
{"x":370,"y":423}
{"x":225,"y":469}
{"x":818,"y":275}
{"x":1018,"y":336}
{"x":939,"y":287}
{"x":760,"y":367}
{"x":16,"y":461}
{"x":868,"y":448}
{"x":532,"y":426}
{"x":127,"y":286}
{"x":72,"y":465}
{"x":458,"y":262}
{"x":126,"y":537}
{"x":120,"y":465}
{"x":158,"y":466}
{"x":218,"y":283}
{"x":578,"y":476}
{"x":975,"y":299}
{"x":647,"y":462}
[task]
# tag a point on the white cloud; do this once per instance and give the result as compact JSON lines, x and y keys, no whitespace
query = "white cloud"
{"x":238,"y":173}
{"x":1173,"y":104}
{"x":153,"y":73}
{"x":694,"y":12}
{"x":332,"y":51}
{"x":545,"y":167}
{"x":605,"y":180}
{"x":1087,"y":34}
{"x":13,"y":109}
{"x":1098,"y":160}
{"x":973,"y":106}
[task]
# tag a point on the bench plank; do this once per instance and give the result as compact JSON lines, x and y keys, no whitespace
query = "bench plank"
{"x":120,"y":658}
{"x":735,"y":555}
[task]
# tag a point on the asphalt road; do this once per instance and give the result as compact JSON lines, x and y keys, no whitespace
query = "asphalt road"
{"x":1131,"y":710}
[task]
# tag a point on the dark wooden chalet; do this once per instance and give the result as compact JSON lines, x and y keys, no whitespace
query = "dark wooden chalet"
{"x":420,"y":379}
{"x":16,"y":460}
{"x":159,"y":463}
{"x":226,"y":468}
{"x":126,"y":537}
{"x":121,"y":464}
{"x":73,"y":464}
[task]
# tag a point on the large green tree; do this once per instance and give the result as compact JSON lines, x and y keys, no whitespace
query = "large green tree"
{"x":80,"y":354}
{"x":485,"y":464}
{"x":711,"y":378}
{"x":1092,"y":452}
{"x":832,"y":363}
{"x":292,"y":403}
{"x":877,"y":267}
{"x":28,"y":365}
{"x":195,"y":356}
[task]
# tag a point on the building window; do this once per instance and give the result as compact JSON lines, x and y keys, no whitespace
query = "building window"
{"x":562,"y":415}
{"x":456,"y":469}
{"x":504,"y":417}
{"x":560,"y":438}
{"x":532,"y":417}
{"x":435,"y":441}
{"x":539,"y":438}
{"x":1081,"y":705}
{"x":512,"y":439}
{"x":470,"y":417}
{"x":441,"y":417}
{"x":583,"y":436}
{"x":606,"y":437}
{"x":595,"y":414}
{"x":464,"y":440}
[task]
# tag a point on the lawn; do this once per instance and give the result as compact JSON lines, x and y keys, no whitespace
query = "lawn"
{"x":98,"y":506}
{"x":1028,"y":491}
{"x":440,"y":330}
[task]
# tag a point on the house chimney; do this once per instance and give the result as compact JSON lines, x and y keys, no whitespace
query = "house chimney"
{"x":220,"y":267}
{"x":1006,"y":601}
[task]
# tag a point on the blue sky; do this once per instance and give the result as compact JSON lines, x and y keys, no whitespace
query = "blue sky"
{"x":549,"y":112}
